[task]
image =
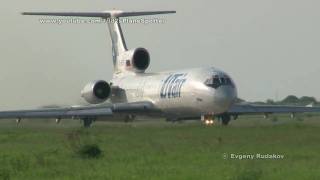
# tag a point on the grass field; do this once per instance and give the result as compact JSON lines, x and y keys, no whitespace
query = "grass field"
{"x":159,"y":150}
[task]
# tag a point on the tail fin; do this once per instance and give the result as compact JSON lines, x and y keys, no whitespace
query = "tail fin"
{"x":118,"y":42}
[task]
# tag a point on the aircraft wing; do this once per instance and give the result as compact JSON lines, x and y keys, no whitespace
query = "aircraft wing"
{"x":82,"y":112}
{"x":269,"y":109}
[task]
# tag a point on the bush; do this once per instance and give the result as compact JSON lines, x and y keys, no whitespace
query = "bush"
{"x":4,"y":174}
{"x":274,"y":119}
{"x":300,"y":119}
{"x":82,"y":143}
{"x":253,"y":174}
{"x":90,"y":151}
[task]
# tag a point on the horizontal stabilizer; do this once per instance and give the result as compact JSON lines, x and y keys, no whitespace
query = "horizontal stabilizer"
{"x":117,"y":39}
{"x":103,"y":14}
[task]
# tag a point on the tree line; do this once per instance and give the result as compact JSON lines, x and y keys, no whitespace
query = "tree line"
{"x":290,"y":100}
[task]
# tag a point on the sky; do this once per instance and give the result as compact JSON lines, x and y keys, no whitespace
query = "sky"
{"x":269,"y":47}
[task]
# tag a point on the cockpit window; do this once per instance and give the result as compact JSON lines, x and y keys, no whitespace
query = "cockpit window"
{"x":216,"y":81}
{"x":228,"y":81}
{"x":222,"y":81}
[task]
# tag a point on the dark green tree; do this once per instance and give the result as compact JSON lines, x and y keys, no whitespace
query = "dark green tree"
{"x":291,"y":99}
{"x":270,"y":101}
{"x":307,"y":100}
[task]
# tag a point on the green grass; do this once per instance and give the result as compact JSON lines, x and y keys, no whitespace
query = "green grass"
{"x":158,"y":150}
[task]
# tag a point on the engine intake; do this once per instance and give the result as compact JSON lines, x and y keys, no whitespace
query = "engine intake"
{"x":96,"y":92}
{"x":140,"y":59}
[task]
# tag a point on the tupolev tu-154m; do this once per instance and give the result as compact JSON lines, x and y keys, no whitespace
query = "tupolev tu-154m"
{"x":199,"y":93}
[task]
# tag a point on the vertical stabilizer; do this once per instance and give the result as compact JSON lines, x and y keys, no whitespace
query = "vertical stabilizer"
{"x":117,"y":39}
{"x":119,"y":49}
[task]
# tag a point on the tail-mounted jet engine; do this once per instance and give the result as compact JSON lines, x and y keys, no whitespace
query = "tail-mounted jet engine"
{"x":136,"y":60}
{"x":96,"y":92}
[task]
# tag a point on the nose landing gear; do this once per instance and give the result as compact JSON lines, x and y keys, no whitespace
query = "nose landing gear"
{"x":208,"y":120}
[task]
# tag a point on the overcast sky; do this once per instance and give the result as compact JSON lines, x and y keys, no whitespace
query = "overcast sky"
{"x":271,"y":48}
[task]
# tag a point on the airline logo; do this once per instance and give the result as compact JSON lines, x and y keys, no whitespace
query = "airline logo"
{"x":172,"y":85}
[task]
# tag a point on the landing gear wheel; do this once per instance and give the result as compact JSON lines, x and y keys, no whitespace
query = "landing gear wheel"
{"x":87,"y":122}
{"x":225,"y":119}
{"x":129,"y":118}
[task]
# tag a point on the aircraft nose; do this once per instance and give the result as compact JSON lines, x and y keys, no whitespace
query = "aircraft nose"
{"x":225,"y":96}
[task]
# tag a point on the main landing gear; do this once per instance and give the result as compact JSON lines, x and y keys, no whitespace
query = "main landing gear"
{"x":87,"y":122}
{"x":129,"y":118}
{"x":225,"y":119}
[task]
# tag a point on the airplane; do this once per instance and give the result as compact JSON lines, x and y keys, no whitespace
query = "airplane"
{"x":199,"y":93}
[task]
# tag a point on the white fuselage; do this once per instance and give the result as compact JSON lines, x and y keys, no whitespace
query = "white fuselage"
{"x":178,"y":94}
